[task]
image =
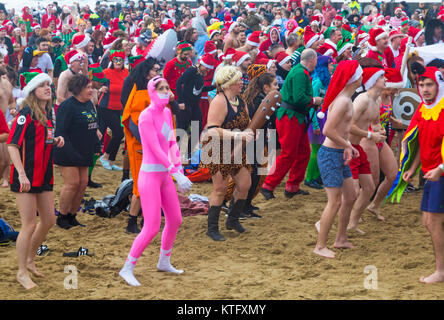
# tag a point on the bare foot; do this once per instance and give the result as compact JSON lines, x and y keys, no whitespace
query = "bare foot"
{"x":324,"y":252}
{"x":435,"y":277}
{"x":355,"y":229}
{"x":5,"y":184}
{"x":343,"y":245}
{"x":31,"y":267}
{"x":25,"y":280}
{"x":318,"y":226}
{"x":376,"y":213}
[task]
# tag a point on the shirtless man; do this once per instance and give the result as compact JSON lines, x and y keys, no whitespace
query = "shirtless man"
{"x":335,"y":155}
{"x":6,"y":100}
{"x":232,"y":41}
{"x":76,"y":64}
{"x":366,"y":112}
{"x":251,"y":46}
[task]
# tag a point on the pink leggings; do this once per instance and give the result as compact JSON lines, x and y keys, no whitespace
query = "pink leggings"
{"x":157,"y":191}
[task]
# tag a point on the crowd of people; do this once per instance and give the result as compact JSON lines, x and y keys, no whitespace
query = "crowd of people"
{"x":78,"y":84}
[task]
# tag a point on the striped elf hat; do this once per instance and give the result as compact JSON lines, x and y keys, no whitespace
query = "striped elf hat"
{"x":96,"y":73}
{"x":183,"y":46}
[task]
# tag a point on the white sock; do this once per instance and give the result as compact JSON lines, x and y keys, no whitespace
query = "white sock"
{"x":127,"y":272}
{"x":164,"y":262}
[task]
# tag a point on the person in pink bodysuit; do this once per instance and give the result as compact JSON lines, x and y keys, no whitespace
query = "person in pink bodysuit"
{"x":161,"y":159}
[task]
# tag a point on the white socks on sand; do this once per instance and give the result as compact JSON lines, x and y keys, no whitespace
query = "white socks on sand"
{"x":127,"y":272}
{"x":164,"y":262}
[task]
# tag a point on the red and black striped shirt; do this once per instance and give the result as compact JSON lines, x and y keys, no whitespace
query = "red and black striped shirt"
{"x":34,"y":142}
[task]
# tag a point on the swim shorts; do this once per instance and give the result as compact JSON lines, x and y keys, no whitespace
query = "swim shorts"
{"x":360,"y":165}
{"x":332,"y":168}
{"x":433,"y":197}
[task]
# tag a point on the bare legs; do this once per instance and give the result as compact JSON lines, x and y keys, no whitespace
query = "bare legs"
{"x":365,"y":193}
{"x":32,"y":234}
{"x":434,"y":223}
{"x":75,"y":180}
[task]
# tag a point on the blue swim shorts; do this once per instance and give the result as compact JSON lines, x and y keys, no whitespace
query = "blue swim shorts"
{"x":332,"y":168}
{"x":433,"y":197}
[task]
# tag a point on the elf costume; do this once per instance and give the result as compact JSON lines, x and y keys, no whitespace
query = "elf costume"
{"x":291,"y":124}
{"x":174,"y":68}
{"x":426,"y":132}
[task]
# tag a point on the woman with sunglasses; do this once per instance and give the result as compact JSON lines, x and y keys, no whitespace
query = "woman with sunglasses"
{"x":110,"y":115}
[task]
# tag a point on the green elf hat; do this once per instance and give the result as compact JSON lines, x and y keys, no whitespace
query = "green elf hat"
{"x":183,"y":46}
{"x":96,"y":73}
{"x":29,"y":81}
{"x":343,"y":45}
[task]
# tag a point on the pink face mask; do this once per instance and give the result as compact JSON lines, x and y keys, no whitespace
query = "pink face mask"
{"x":157,"y":99}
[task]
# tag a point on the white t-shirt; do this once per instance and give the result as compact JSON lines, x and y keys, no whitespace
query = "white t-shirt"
{"x":45,"y":62}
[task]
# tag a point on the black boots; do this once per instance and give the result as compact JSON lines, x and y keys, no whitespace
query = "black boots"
{"x":73,"y":221}
{"x":93,"y":184}
{"x":132,"y":225}
{"x":67,"y":221}
{"x":213,"y":224}
{"x":233,"y":216}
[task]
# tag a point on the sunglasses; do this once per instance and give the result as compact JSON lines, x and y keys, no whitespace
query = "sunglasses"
{"x":118,"y":60}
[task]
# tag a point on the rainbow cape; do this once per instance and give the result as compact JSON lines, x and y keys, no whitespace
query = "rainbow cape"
{"x":406,"y":159}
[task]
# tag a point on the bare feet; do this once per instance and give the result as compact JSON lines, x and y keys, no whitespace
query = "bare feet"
{"x":435,"y":277}
{"x":343,"y":245}
{"x":5,"y":184}
{"x":375,"y":211}
{"x":355,"y":229}
{"x":318,"y":226}
{"x":31,"y":267}
{"x":25,"y":280}
{"x":324,"y":252}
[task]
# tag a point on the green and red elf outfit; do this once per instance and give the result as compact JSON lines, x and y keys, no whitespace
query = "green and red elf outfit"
{"x":426,"y":132}
{"x":174,"y":68}
{"x":291,"y":124}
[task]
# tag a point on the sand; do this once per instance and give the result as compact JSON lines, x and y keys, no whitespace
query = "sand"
{"x":272,"y":260}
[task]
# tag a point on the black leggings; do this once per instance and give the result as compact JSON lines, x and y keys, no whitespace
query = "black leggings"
{"x":192,"y":112}
{"x":111,"y":119}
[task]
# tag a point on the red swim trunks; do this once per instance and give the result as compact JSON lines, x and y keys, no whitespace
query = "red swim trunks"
{"x":360,"y":165}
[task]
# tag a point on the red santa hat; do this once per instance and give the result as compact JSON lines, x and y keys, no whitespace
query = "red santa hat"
{"x":370,"y":76}
{"x":253,"y":39}
{"x":168,"y":25}
{"x":213,"y":33}
{"x":310,"y":37}
{"x":393,"y":78}
{"x":208,"y":61}
{"x":394,"y":34}
{"x":239,"y":57}
{"x":376,"y":34}
{"x":109,"y":40}
{"x":230,"y":25}
{"x":382,"y":23}
{"x":315,"y":20}
{"x":72,"y":56}
{"x":80,"y":41}
{"x":338,"y":17}
{"x":210,"y":47}
{"x":362,"y":37}
{"x":347,"y":71}
{"x":347,"y":27}
{"x":415,"y":33}
{"x":100,"y":27}
{"x":282,"y":58}
{"x":251,"y":7}
{"x":398,"y":9}
{"x":229,"y":54}
{"x":35,"y":25}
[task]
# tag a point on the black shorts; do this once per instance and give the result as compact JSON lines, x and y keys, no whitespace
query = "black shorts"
{"x":15,"y":187}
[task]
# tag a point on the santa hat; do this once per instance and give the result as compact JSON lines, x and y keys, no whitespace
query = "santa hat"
{"x":267,"y":62}
{"x":108,"y":40}
{"x":183,"y":46}
{"x":207,"y":60}
{"x":398,"y":9}
{"x":362,"y":37}
{"x":239,"y":57}
{"x":35,"y":25}
{"x":440,"y":15}
{"x":393,"y":78}
{"x":72,"y":56}
{"x":315,"y":20}
{"x":253,"y":39}
{"x":80,"y":41}
{"x":96,"y":73}
{"x":382,"y":23}
{"x":251,"y":7}
{"x":229,"y":54}
{"x":282,"y":58}
{"x":29,"y":81}
{"x":66,"y":9}
{"x":213,"y":33}
{"x":395,"y":33}
{"x":375,"y":35}
{"x":338,"y":17}
{"x":415,"y":33}
{"x":370,"y":76}
{"x":230,"y":25}
{"x":347,"y":71}
{"x":100,"y":28}
{"x":227,"y":18}
{"x":210,"y":47}
{"x":168,"y":25}
{"x":347,"y":28}
{"x":310,"y":37}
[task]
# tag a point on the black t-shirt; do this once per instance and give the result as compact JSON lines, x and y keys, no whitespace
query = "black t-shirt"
{"x":189,"y":87}
{"x":76,"y":122}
